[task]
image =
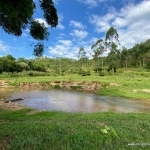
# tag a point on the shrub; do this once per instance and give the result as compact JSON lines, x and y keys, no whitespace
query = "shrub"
{"x":76,"y":87}
{"x":99,"y":69}
{"x":84,"y":73}
{"x":110,"y":68}
{"x":57,"y":86}
{"x":101,"y":73}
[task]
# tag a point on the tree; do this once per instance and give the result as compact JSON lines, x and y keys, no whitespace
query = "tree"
{"x":82,"y":56}
{"x":7,"y":64}
{"x":97,"y":49}
{"x":15,"y":15}
{"x":124,"y":57}
{"x":10,"y":57}
{"x":111,"y":42}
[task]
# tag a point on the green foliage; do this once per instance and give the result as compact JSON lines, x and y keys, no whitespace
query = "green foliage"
{"x":111,"y":33}
{"x":112,"y":66}
{"x":23,"y":74}
{"x":50,"y":12}
{"x":15,"y":83}
{"x":97,"y":69}
{"x":57,"y":86}
{"x":38,"y":50}
{"x":84,"y":73}
{"x":101,"y":73}
{"x":15,"y":15}
{"x":38,"y":30}
{"x":73,"y":70}
{"x":148,"y":65}
{"x":79,"y":87}
{"x":25,"y":129}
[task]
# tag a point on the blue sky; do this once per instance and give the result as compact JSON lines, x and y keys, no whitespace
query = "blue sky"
{"x":81,"y":23}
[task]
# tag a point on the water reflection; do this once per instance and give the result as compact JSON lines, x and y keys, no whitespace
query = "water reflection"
{"x":71,"y":101}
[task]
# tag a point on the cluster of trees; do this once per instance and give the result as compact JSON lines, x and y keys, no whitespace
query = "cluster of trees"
{"x":118,"y":56}
{"x":137,"y":56}
{"x":22,"y":12}
{"x":10,"y":64}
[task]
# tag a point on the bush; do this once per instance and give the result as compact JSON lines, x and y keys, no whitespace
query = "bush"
{"x":57,"y":86}
{"x":76,"y":87}
{"x":101,"y":73}
{"x":99,"y":69}
{"x":110,"y":68}
{"x":84,"y":73}
{"x":148,"y":65}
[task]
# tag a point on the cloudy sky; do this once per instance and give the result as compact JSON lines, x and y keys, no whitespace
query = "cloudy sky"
{"x":81,"y":23}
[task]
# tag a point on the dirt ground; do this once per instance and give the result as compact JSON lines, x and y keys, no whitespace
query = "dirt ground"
{"x":11,"y":106}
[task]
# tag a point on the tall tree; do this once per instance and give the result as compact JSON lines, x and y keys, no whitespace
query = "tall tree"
{"x":111,"y":41}
{"x":124,"y":57}
{"x":97,"y":49}
{"x":82,"y":56}
{"x":15,"y":15}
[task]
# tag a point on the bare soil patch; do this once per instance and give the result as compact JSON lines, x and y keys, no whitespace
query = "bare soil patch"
{"x":114,"y":84}
{"x":11,"y":106}
{"x":146,"y":90}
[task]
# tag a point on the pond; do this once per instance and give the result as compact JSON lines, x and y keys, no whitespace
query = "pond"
{"x":73,"y":101}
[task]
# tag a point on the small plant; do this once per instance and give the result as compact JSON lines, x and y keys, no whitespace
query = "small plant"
{"x":57,"y":86}
{"x":16,"y":84}
{"x":109,"y":130}
{"x":31,"y":74}
{"x":76,"y":87}
{"x":101,"y":73}
{"x":84,"y":73}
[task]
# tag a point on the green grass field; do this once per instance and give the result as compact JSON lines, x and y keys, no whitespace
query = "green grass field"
{"x":24,"y":130}
{"x":128,"y":85}
{"x":66,"y":131}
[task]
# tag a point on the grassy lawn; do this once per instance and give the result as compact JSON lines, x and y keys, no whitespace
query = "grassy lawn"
{"x":25,"y":130}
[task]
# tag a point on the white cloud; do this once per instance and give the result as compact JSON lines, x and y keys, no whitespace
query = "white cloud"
{"x":65,"y":42}
{"x":68,"y":48}
{"x":61,"y":34}
{"x":103,"y":23}
{"x":132,"y":23}
{"x":40,"y":20}
{"x":4,"y":47}
{"x":60,"y":19}
{"x":56,"y":1}
{"x":15,"y":39}
{"x":79,"y":34}
{"x":27,"y":30}
{"x":61,"y":47}
{"x":91,"y":3}
{"x":24,"y":34}
{"x":77,"y":24}
{"x":64,"y":48}
{"x":60,"y":26}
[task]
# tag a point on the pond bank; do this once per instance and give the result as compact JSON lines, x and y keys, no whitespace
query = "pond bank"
{"x":87,"y":86}
{"x":66,"y":85}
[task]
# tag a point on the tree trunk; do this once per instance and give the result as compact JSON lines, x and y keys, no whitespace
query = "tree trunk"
{"x":113,"y":71}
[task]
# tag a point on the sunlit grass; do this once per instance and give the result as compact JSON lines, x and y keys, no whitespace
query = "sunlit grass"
{"x":57,"y":130}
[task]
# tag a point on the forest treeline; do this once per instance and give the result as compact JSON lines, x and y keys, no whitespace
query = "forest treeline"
{"x":137,"y":56}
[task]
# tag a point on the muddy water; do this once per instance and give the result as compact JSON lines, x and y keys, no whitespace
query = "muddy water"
{"x":72,"y":101}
